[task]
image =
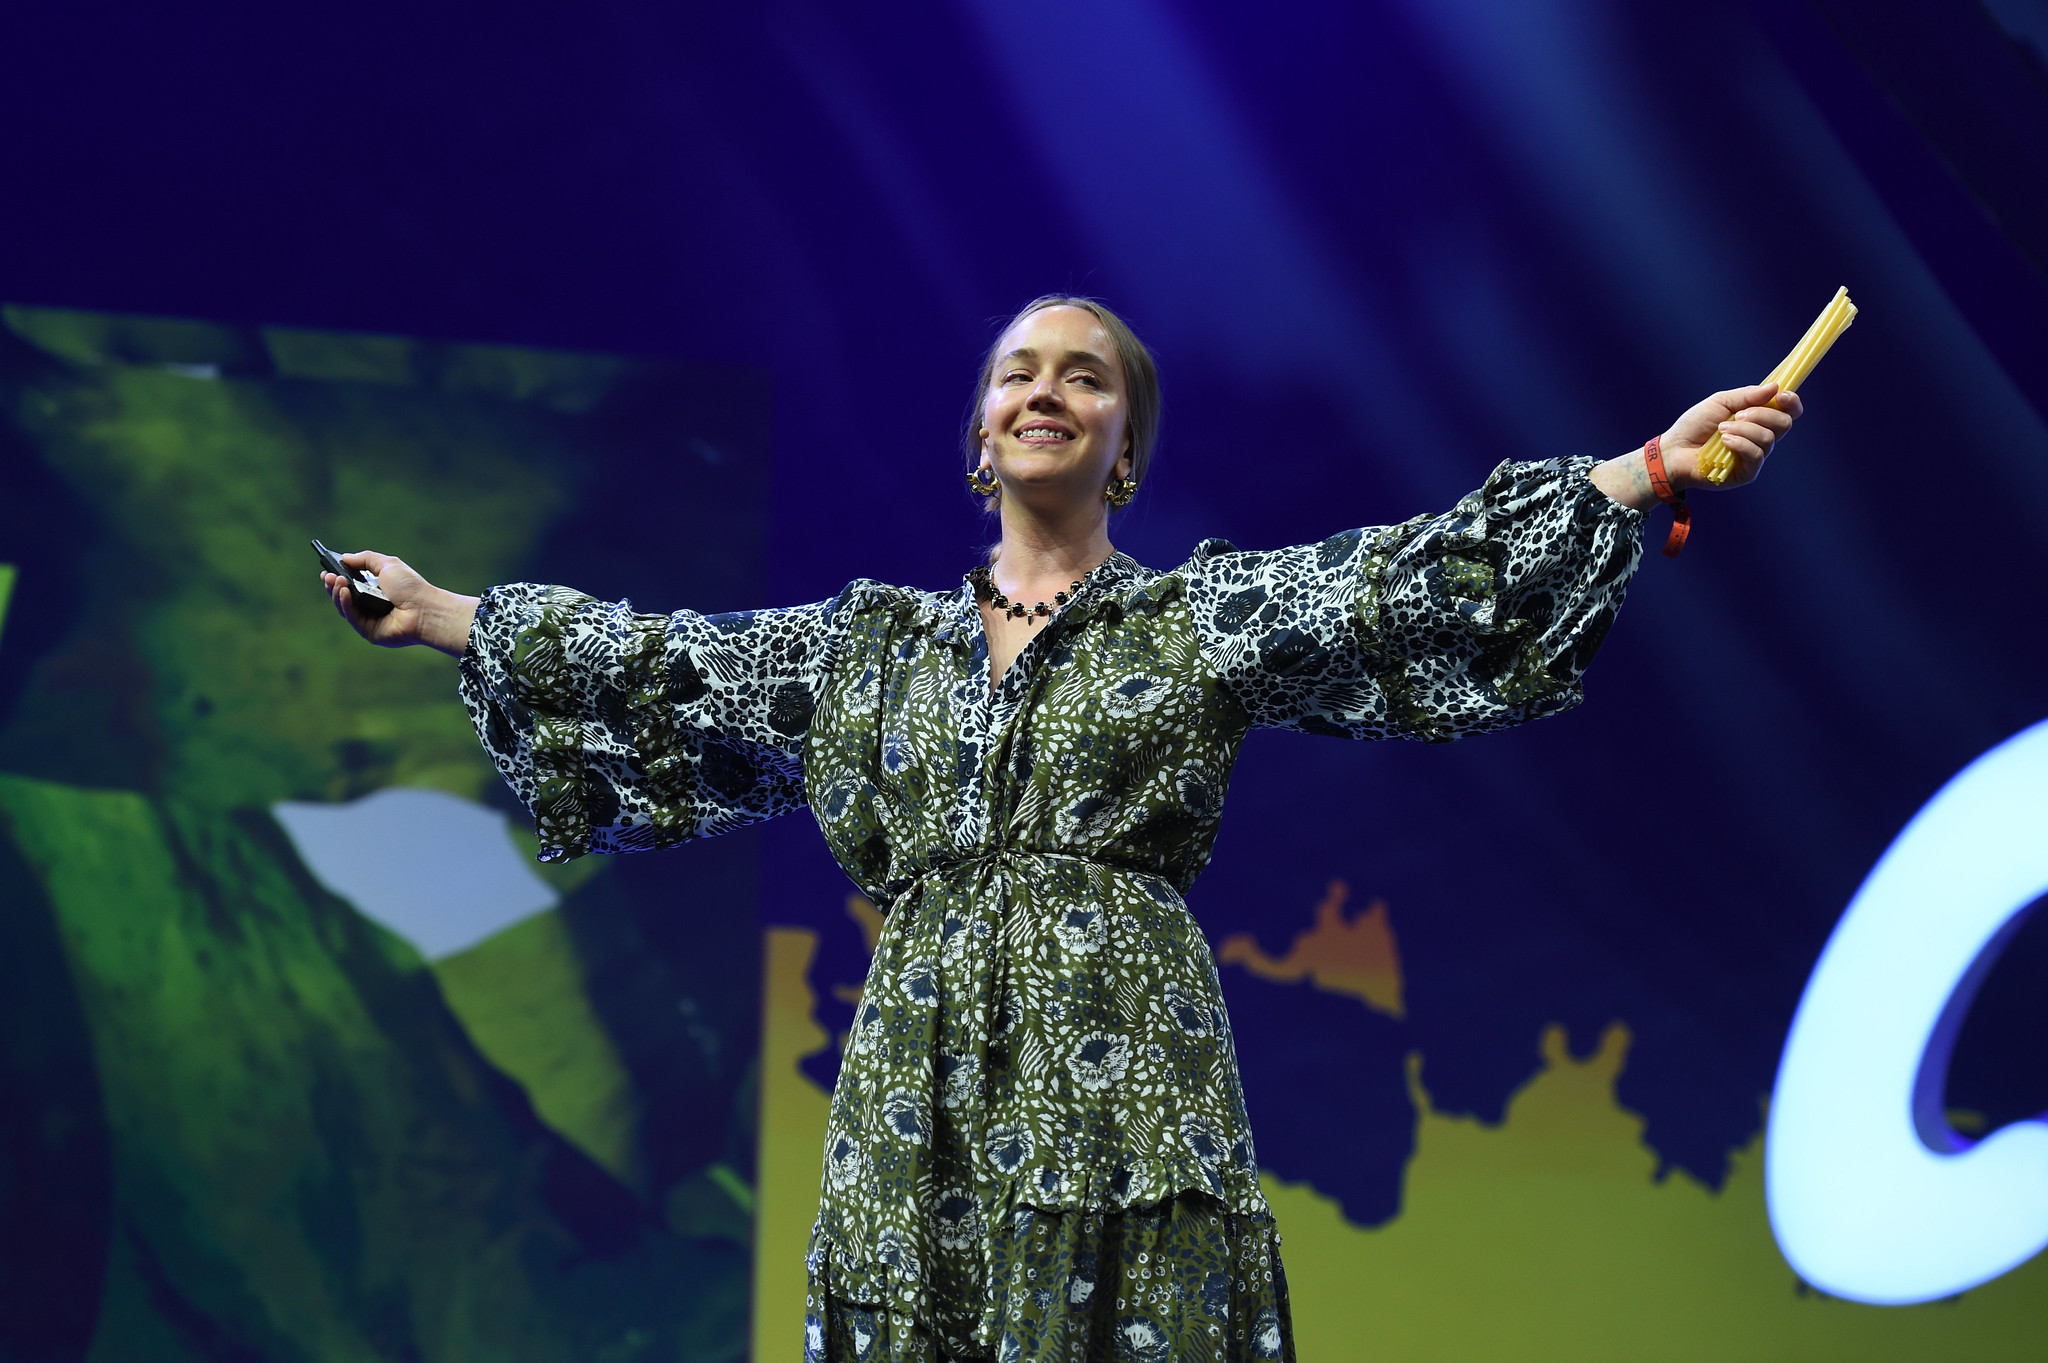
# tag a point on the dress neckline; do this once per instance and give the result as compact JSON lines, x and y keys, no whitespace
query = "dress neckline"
{"x":1118,"y":568}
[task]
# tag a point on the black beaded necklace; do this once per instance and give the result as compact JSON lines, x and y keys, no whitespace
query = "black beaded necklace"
{"x":985,"y":590}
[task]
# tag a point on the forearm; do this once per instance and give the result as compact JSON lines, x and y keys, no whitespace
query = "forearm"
{"x":1627,"y":480}
{"x":445,"y":621}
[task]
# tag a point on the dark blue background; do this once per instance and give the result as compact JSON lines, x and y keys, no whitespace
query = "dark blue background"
{"x":1378,"y":247}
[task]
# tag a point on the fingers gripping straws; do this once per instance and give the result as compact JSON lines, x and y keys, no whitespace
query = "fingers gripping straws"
{"x":1715,"y":463}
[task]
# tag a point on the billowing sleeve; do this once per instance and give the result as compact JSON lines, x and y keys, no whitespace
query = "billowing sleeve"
{"x":625,"y":732}
{"x":1442,"y":626}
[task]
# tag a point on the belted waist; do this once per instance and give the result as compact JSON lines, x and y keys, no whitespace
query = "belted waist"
{"x":897,"y":889}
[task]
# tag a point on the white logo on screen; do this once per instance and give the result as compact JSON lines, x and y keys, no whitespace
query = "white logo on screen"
{"x":1872,"y":1195}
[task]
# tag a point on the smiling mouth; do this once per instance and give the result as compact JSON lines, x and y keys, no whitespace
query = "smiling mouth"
{"x":1048,"y":433}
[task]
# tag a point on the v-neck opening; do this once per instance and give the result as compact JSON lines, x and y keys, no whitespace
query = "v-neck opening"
{"x":984,"y":713}
{"x":992,"y":686}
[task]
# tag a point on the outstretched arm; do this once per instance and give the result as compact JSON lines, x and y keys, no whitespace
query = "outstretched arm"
{"x":1479,"y":618}
{"x":421,"y":613}
{"x":1750,"y":421}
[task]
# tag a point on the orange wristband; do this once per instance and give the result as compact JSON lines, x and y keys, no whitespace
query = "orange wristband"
{"x":1660,"y":483}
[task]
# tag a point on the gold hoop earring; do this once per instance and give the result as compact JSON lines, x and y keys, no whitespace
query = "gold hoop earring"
{"x":991,"y":488}
{"x":1120,"y":491}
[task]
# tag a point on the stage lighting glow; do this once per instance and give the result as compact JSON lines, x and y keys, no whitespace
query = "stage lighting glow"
{"x":1872,"y":1196}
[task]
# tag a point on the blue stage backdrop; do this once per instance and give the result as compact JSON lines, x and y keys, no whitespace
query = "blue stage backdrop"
{"x":1509,"y":1010}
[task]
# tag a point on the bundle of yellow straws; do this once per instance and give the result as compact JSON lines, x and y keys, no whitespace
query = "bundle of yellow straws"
{"x":1715,"y":463}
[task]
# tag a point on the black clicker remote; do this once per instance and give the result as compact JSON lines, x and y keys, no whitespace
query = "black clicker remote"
{"x":362,"y":586}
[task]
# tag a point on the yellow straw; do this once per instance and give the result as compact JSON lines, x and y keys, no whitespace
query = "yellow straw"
{"x":1843,"y":317}
{"x":1715,"y":463}
{"x":1815,"y":343}
{"x":1812,"y":334}
{"x":1806,"y":342}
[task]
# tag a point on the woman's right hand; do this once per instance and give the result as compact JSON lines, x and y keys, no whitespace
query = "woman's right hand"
{"x":420,"y":613}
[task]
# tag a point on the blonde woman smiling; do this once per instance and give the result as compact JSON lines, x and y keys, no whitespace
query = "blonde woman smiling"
{"x":1038,"y":1146}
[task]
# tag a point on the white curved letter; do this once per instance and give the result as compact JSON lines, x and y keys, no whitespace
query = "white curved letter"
{"x":1871,"y":1196}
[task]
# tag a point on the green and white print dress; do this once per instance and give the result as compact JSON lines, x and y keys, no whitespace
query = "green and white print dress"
{"x":1038,"y":1146}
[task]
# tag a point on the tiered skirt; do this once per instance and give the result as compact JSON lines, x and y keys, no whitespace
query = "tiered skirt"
{"x":1182,"y":1280}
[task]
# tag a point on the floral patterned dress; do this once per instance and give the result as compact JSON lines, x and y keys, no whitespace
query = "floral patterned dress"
{"x":1038,"y":1146}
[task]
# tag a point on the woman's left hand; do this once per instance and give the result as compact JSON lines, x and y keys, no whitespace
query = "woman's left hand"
{"x":1749,"y":423}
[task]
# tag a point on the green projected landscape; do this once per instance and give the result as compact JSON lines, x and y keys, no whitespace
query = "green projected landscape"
{"x":246,"y":1122}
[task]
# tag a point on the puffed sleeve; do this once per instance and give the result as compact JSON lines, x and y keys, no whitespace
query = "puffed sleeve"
{"x":625,"y":732}
{"x":1442,"y":626}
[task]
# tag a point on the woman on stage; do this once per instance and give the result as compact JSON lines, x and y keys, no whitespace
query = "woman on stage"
{"x":1038,"y":1147}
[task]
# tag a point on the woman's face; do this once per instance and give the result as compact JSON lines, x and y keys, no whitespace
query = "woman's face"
{"x":1055,"y":415}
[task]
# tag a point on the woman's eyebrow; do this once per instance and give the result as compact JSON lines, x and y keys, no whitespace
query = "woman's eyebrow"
{"x":1086,"y":357}
{"x":1071,"y":357}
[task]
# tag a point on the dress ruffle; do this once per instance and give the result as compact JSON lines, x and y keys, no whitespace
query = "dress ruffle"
{"x":1184,"y":1280}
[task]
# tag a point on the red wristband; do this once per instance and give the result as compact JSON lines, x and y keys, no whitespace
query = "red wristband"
{"x":1660,"y":483}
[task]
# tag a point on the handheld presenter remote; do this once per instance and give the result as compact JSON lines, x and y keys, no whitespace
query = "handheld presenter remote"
{"x":362,"y":587}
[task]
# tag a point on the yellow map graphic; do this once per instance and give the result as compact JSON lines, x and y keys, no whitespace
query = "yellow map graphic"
{"x":792,"y":1150}
{"x":1358,"y":958}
